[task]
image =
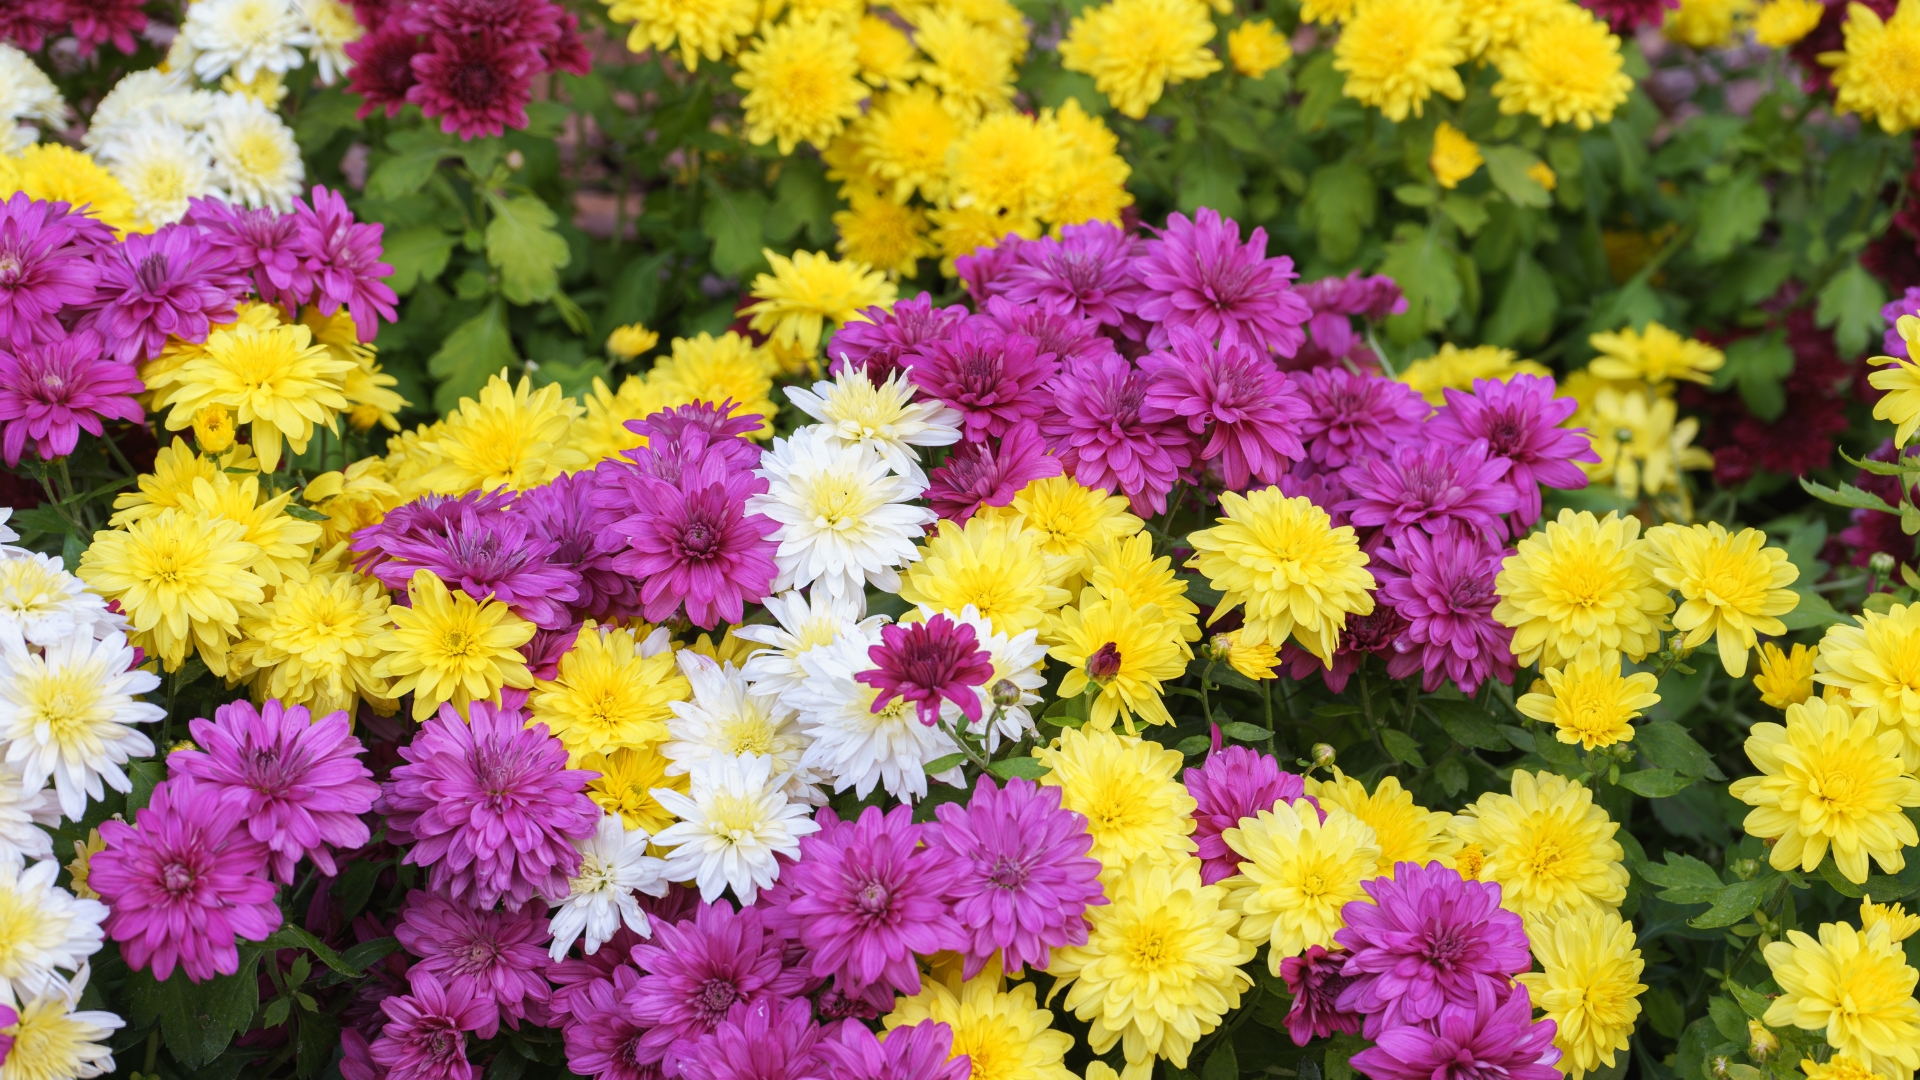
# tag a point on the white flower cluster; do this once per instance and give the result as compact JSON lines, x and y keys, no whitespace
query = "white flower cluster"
{"x":245,"y":39}
{"x":27,"y":98}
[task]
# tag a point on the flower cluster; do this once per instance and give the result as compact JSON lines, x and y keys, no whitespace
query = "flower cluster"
{"x":469,"y":65}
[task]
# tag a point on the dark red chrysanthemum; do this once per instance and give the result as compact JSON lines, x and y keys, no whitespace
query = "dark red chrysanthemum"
{"x":382,"y":69}
{"x":927,"y":662}
{"x":97,"y":22}
{"x":477,"y":86}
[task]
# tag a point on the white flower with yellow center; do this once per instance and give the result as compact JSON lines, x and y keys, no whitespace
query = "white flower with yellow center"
{"x":730,"y":717}
{"x":855,"y":412}
{"x":23,"y":810}
{"x":53,"y":1038}
{"x":255,"y":156}
{"x":162,"y":167}
{"x":614,"y":864}
{"x":27,"y":97}
{"x":846,"y":520}
{"x":41,"y":604}
{"x":331,"y":27}
{"x":7,"y":535}
{"x":244,"y":37}
{"x":66,"y":715}
{"x":43,"y":928}
{"x":802,"y":624}
{"x":734,"y":822}
{"x":1017,"y":659}
{"x":856,"y":747}
{"x":144,"y":98}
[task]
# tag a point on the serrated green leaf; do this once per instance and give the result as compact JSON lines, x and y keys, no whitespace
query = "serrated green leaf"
{"x":1424,"y":264}
{"x":1728,"y":1019}
{"x":417,"y":254}
{"x":1338,"y":206}
{"x":198,"y":1020}
{"x":1466,"y":211}
{"x":1226,"y":676}
{"x":1507,"y":166}
{"x":365,"y":954}
{"x":1416,"y":194}
{"x":1402,"y":747}
{"x":471,"y":354}
{"x":1850,"y":304}
{"x":1734,"y":903}
{"x":1751,"y":1002}
{"x":1008,"y":768}
{"x":1683,"y":879}
{"x":1466,"y":723}
{"x":1668,"y":744}
{"x":1452,"y":775}
{"x":1655,"y":783}
{"x":1729,"y":214}
{"x":735,"y":222}
{"x":1528,"y":303}
{"x":405,"y":172}
{"x":1758,"y":366}
{"x":523,"y":247}
{"x":1906,"y":466}
{"x":942,"y":764}
{"x":1846,"y":495}
{"x":146,"y":775}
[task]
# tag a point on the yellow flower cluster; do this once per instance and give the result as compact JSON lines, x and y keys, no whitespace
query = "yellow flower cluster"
{"x":1628,"y":410}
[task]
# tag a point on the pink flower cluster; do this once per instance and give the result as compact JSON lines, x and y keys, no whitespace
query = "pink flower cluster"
{"x":32,"y":24}
{"x":470,"y":63}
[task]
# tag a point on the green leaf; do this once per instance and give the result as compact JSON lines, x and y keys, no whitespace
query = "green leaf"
{"x":1835,"y":878}
{"x":1846,"y":495}
{"x":1758,"y":365}
{"x":1425,"y":266}
{"x":523,"y":247}
{"x":1754,"y":1004}
{"x":319,"y":1034}
{"x":1194,"y":744}
{"x":405,"y":172}
{"x":146,"y":775}
{"x":1008,"y":768}
{"x":1668,"y":744}
{"x":304,"y":513}
{"x":1527,"y":305}
{"x":417,"y":254}
{"x":1321,"y":89}
{"x":1222,"y":1064}
{"x":1402,"y":747}
{"x":734,"y":222}
{"x":942,"y":764}
{"x":1507,"y":166}
{"x":1212,"y":176}
{"x":1452,"y":775}
{"x":292,"y":936}
{"x":198,"y":1020}
{"x":1338,"y":206}
{"x":471,"y":354}
{"x":1734,"y":903}
{"x":1226,"y":676}
{"x":1729,"y":214}
{"x":1728,"y":1019}
{"x":1245,"y":732}
{"x":1812,"y":610}
{"x":1851,"y":304}
{"x":1655,"y":783}
{"x":802,"y":199}
{"x":365,"y":954}
{"x":1466,"y":211}
{"x":1683,"y":879}
{"x":1519,"y":738}
{"x":1416,"y":194}
{"x":1467,"y":723}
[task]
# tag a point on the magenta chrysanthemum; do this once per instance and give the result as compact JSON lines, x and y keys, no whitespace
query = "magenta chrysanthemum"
{"x":257,"y":242}
{"x":602,"y":1039}
{"x":1431,"y":487}
{"x":184,"y":882}
{"x":990,"y":377}
{"x":170,"y":282}
{"x":1520,"y":421}
{"x":878,"y":341}
{"x":1236,"y":397}
{"x":693,"y":542}
{"x":1068,"y":338}
{"x":866,"y":898}
{"x":50,"y":393}
{"x":484,"y":554}
{"x":562,"y":514}
{"x":1315,"y":981}
{"x":1428,"y":939}
{"x":1231,"y":784}
{"x":1197,"y":273}
{"x":1019,"y":877}
{"x":980,"y":474}
{"x":1491,"y":1038}
{"x":382,"y":72}
{"x":1352,"y":417}
{"x":339,"y":262}
{"x":425,"y":1037}
{"x":1086,"y":274}
{"x":490,"y":807}
{"x":765,"y":1040}
{"x":299,"y":781}
{"x":1095,"y":421}
{"x":984,"y":272}
{"x":1626,"y":16}
{"x":918,"y":1052}
{"x":420,"y":521}
{"x":46,"y":266}
{"x":477,"y":85}
{"x":1336,"y":300}
{"x":926,"y":663}
{"x":496,"y":956}
{"x":1444,"y":587}
{"x":697,"y":970}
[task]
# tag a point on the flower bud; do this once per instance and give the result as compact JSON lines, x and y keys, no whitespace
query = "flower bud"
{"x":1005,"y":694}
{"x":1882,"y":564}
{"x":1760,"y":1041}
{"x":1744,"y":869}
{"x":1322,"y":755}
{"x":516,"y":160}
{"x":1718,"y":1067}
{"x":1219,"y":647}
{"x":1104,"y":664}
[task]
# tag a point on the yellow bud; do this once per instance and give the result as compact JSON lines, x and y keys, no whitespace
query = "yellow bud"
{"x":213,"y":429}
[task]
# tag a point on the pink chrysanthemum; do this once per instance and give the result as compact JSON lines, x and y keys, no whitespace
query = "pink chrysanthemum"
{"x":1095,"y":421}
{"x":50,"y":393}
{"x":984,"y":272}
{"x":257,"y":242}
{"x":926,"y":663}
{"x":1315,"y":981}
{"x":762,"y":1041}
{"x":382,"y":72}
{"x":697,"y":969}
{"x":1233,"y":395}
{"x":340,"y":263}
{"x":46,"y":267}
{"x":602,"y":1039}
{"x":1352,"y":417}
{"x":498,"y":956}
{"x":990,"y":377}
{"x":919,"y":1052}
{"x":425,"y":1037}
{"x":477,"y":85}
{"x":1068,"y":338}
{"x":168,"y":283}
{"x":980,"y":474}
{"x":1520,"y":421}
{"x":1019,"y":877}
{"x":27,"y":23}
{"x":879,"y":340}
{"x":97,"y":22}
{"x":1198,"y":274}
{"x":1491,"y":1037}
{"x":1336,"y":300}
{"x":184,"y":882}
{"x":694,"y":543}
{"x":1086,"y":274}
{"x":1231,"y":784}
{"x":1431,"y":487}
{"x":300,"y":782}
{"x":1444,"y":587}
{"x":490,"y":807}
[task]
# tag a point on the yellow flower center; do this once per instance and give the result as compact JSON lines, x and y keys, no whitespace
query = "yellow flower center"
{"x":1149,"y":946}
{"x":748,"y":735}
{"x":733,"y":819}
{"x":68,"y":702}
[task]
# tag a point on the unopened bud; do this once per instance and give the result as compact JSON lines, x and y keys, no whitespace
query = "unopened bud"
{"x":1882,"y":564}
{"x":183,"y":744}
{"x":1719,"y":1067}
{"x":1760,"y":1041}
{"x":1744,"y":869}
{"x":1005,"y":694}
{"x":516,"y":160}
{"x":1322,"y":755}
{"x":1104,"y":664}
{"x":1219,"y":647}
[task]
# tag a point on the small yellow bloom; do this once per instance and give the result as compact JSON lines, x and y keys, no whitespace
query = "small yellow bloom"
{"x":1296,"y":874}
{"x":802,"y":78}
{"x":445,"y":648}
{"x":1074,"y":522}
{"x":82,"y":864}
{"x":1590,"y":702}
{"x":1642,"y":442}
{"x":971,"y":65}
{"x":889,"y":236}
{"x":1129,"y":791}
{"x":1548,"y":845}
{"x":1785,"y":679}
{"x":1656,"y":355}
{"x":625,"y":786}
{"x":1706,"y":24}
{"x":1898,"y":923}
{"x":1732,"y":587}
{"x":1398,"y":53}
{"x":182,"y":579}
{"x":1135,"y":48}
{"x":1253,"y":661}
{"x":281,"y":381}
{"x":1455,"y":157}
{"x":1454,"y":368}
{"x":1780,"y":24}
{"x":886,"y":54}
{"x":1256,"y":48}
{"x":631,"y":340}
{"x":1564,"y":67}
{"x":804,"y":293}
{"x":1873,"y":75}
{"x":702,"y":28}
{"x":213,"y":429}
{"x":1901,"y":381}
{"x":1405,"y":830}
{"x":1855,"y":987}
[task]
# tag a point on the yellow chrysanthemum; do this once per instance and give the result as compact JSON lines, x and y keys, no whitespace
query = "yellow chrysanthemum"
{"x":1856,"y":987}
{"x":175,"y":468}
{"x":1135,"y":48}
{"x":702,"y":28}
{"x":1454,"y":368}
{"x":180,"y":579}
{"x":1161,"y":966}
{"x":1492,"y":26}
{"x":512,"y":437}
{"x":1126,"y":650}
{"x":1256,"y":48}
{"x":285,"y":542}
{"x":352,"y":499}
{"x":1089,"y":188}
{"x":279,"y":380}
{"x":1003,"y":1030}
{"x":1706,"y":24}
{"x":996,"y":564}
{"x":1894,"y":916}
{"x":80,"y":869}
{"x":1127,"y":566}
{"x":1284,"y":559}
{"x":1326,"y":12}
{"x":904,"y":140}
{"x":630,"y":341}
{"x":1470,"y":861}
{"x":716,"y":370}
{"x":1296,"y":873}
{"x":602,"y":433}
{"x":1732,"y":587}
{"x":1006,"y":164}
{"x":1875,"y":660}
{"x":1129,"y":792}
{"x":1901,"y":402}
{"x":1642,"y":442}
{"x":606,"y":695}
{"x":802,"y":79}
{"x":1590,"y":702}
{"x":163,"y":371}
{"x":1656,"y":355}
{"x":313,"y":644}
{"x":1582,"y":581}
{"x":806,"y":292}
{"x":1829,"y":778}
{"x":1404,"y":830}
{"x":1588,"y":984}
{"x":1548,"y":846}
{"x":1838,"y":1067}
{"x":1565,"y":67}
{"x":50,"y":172}
{"x":411,"y":457}
{"x":369,"y":391}
{"x":213,"y":429}
{"x":1074,"y":522}
{"x":969,"y":64}
{"x":1785,"y":678}
{"x":878,"y":232}
{"x":445,"y":648}
{"x":1398,"y":53}
{"x":1254,"y":661}
{"x":1780,"y":24}
{"x":625,"y":786}
{"x":1455,"y":157}
{"x":886,"y":54}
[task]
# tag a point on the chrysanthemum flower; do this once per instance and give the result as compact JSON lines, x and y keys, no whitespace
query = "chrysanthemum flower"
{"x":701,"y":28}
{"x":1127,"y":567}
{"x":904,"y":139}
{"x":169,"y":283}
{"x":1425,"y":939}
{"x":1455,"y":157}
{"x":1198,"y":273}
{"x":1785,"y":678}
{"x":1829,"y":778}
{"x":1497,"y":1033}
{"x":1161,"y":967}
{"x":1547,"y":845}
{"x":1706,"y":24}
{"x":809,"y":290}
{"x":852,"y":744}
{"x":1127,"y":789}
{"x":1520,"y":418}
{"x":1839,"y":1066}
{"x":1296,"y":870}
{"x":625,"y":784}
{"x":1135,"y":48}
{"x":1434,"y":487}
{"x":1589,"y":701}
{"x":446,"y":649}
{"x":614,"y":866}
{"x":180,"y":581}
{"x":1404,"y":830}
{"x":802,"y":78}
{"x":1657,"y":355}
{"x":49,"y":393}
{"x":989,"y":376}
{"x":971,"y":65}
{"x":1459,"y":369}
{"x":163,"y":168}
{"x":298,"y":781}
{"x":1006,"y":164}
{"x":1444,"y":587}
{"x":1096,"y":419}
{"x":45,"y":929}
{"x":926,"y":664}
{"x":279,"y":381}
{"x":340,"y":263}
{"x":1000,"y":1030}
{"x":425,"y":1034}
{"x":255,"y":156}
{"x":1283,"y":559}
{"x":1075,"y":523}
{"x":1085,"y":274}
{"x":801,"y":624}
{"x":773,"y":1040}
{"x":1236,"y":397}
{"x":510,"y":437}
{"x":1013,"y":684}
{"x":56,"y":173}
{"x":857,"y":410}
{"x":1580,"y":582}
{"x":1780,"y":24}
{"x":717,"y":371}
{"x":244,"y":37}
{"x":844,"y":516}
{"x":1588,"y":986}
{"x":981,"y":476}
{"x":1351,"y":416}
{"x":734,"y":821}
{"x":1874,"y":660}
{"x":728,"y":716}
{"x":1127,"y":650}
{"x":1732,"y":587}
{"x":495,"y":956}
{"x":1398,"y":53}
{"x":1315,"y":981}
{"x":1256,"y":48}
{"x":995,"y":564}
{"x":1565,"y":67}
{"x":65,"y":715}
{"x":50,"y":245}
{"x":285,"y":542}
{"x":1855,"y":988}
{"x":610,"y":692}
{"x":697,"y":969}
{"x":1626,"y":16}
{"x":922,"y":1051}
{"x":184,"y":883}
{"x":1233,"y":783}
{"x":875,"y":231}
{"x":490,"y":807}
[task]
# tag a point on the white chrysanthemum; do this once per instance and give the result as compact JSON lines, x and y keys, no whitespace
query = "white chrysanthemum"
{"x":27,"y":97}
{"x":145,"y":98}
{"x":734,"y":821}
{"x":54,"y":1037}
{"x":804,"y":623}
{"x":852,"y":745}
{"x":1017,"y":660}
{"x":43,"y":929}
{"x":845,"y":518}
{"x":255,"y":156}
{"x":244,"y":37}
{"x":66,"y":715}
{"x":23,"y":810}
{"x":7,"y":535}
{"x":42,"y":604}
{"x":162,"y":166}
{"x":855,"y":412}
{"x":614,"y":864}
{"x":331,"y":27}
{"x":729,"y":717}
